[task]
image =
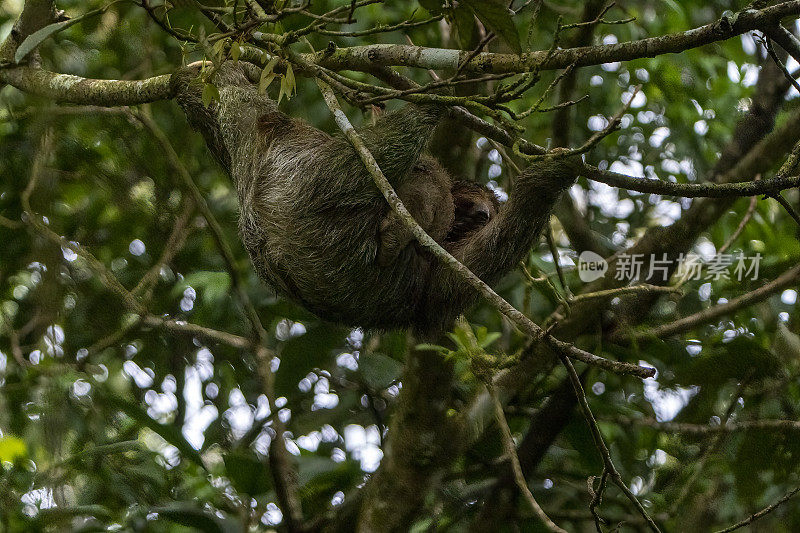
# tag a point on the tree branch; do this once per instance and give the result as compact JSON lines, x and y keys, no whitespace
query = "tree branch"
{"x":78,"y":90}
{"x":600,"y":444}
{"x":785,"y":39}
{"x":752,"y":518}
{"x":693,"y":190}
{"x":367,"y":57}
{"x":788,"y":279}
{"x":516,"y":468}
{"x":705,"y":429}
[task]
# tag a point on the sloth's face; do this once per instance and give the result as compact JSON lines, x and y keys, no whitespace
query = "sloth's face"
{"x":474,"y":206}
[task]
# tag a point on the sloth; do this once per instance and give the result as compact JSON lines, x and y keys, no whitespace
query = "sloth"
{"x":319,"y":231}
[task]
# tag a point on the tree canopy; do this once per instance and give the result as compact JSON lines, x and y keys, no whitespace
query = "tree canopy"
{"x":639,"y":371}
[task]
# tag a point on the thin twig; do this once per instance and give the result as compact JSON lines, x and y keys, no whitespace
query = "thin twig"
{"x":600,"y":443}
{"x":599,"y":20}
{"x":751,"y":209}
{"x":787,"y":206}
{"x":557,"y":261}
{"x":610,"y":293}
{"x":752,"y":518}
{"x":767,"y":43}
{"x":597,"y":498}
{"x":173,"y":245}
{"x":706,"y":429}
{"x":516,"y":468}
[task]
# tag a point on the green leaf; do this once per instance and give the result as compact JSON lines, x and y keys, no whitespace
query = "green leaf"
{"x":433,"y":348}
{"x":434,"y":6}
{"x":282,"y":92}
{"x":496,"y":16}
{"x":37,"y":37}
{"x":248,"y":474}
{"x":270,"y":66}
{"x":265,"y":82}
{"x":210,"y":94}
{"x":288,"y":87}
{"x":378,"y":370}
{"x":461,"y":338}
{"x":188,"y":514}
{"x":217,"y":50}
{"x":464,"y":22}
{"x":212,"y":286}
{"x":236,"y":50}
{"x":267,"y":75}
{"x":490,"y":338}
{"x":291,"y":84}
{"x":11,"y":449}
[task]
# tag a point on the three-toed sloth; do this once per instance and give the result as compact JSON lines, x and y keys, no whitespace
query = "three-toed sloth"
{"x":319,"y":231}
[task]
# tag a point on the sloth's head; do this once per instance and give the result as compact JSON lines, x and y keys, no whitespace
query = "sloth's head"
{"x":475,"y":206}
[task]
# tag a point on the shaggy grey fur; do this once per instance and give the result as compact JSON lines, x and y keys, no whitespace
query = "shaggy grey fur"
{"x":319,"y":231}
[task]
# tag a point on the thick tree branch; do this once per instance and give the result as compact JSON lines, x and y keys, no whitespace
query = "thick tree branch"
{"x":785,"y":39}
{"x":367,"y":57}
{"x":419,"y":448}
{"x":201,"y":332}
{"x":693,"y":190}
{"x":77,"y":90}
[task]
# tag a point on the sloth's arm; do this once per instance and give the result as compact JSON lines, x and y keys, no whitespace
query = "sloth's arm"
{"x":398,"y":138}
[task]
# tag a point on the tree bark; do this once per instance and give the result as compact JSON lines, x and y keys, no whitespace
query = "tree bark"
{"x":422,"y":442}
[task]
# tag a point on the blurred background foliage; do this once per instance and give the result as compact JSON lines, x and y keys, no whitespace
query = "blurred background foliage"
{"x":106,"y":423}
